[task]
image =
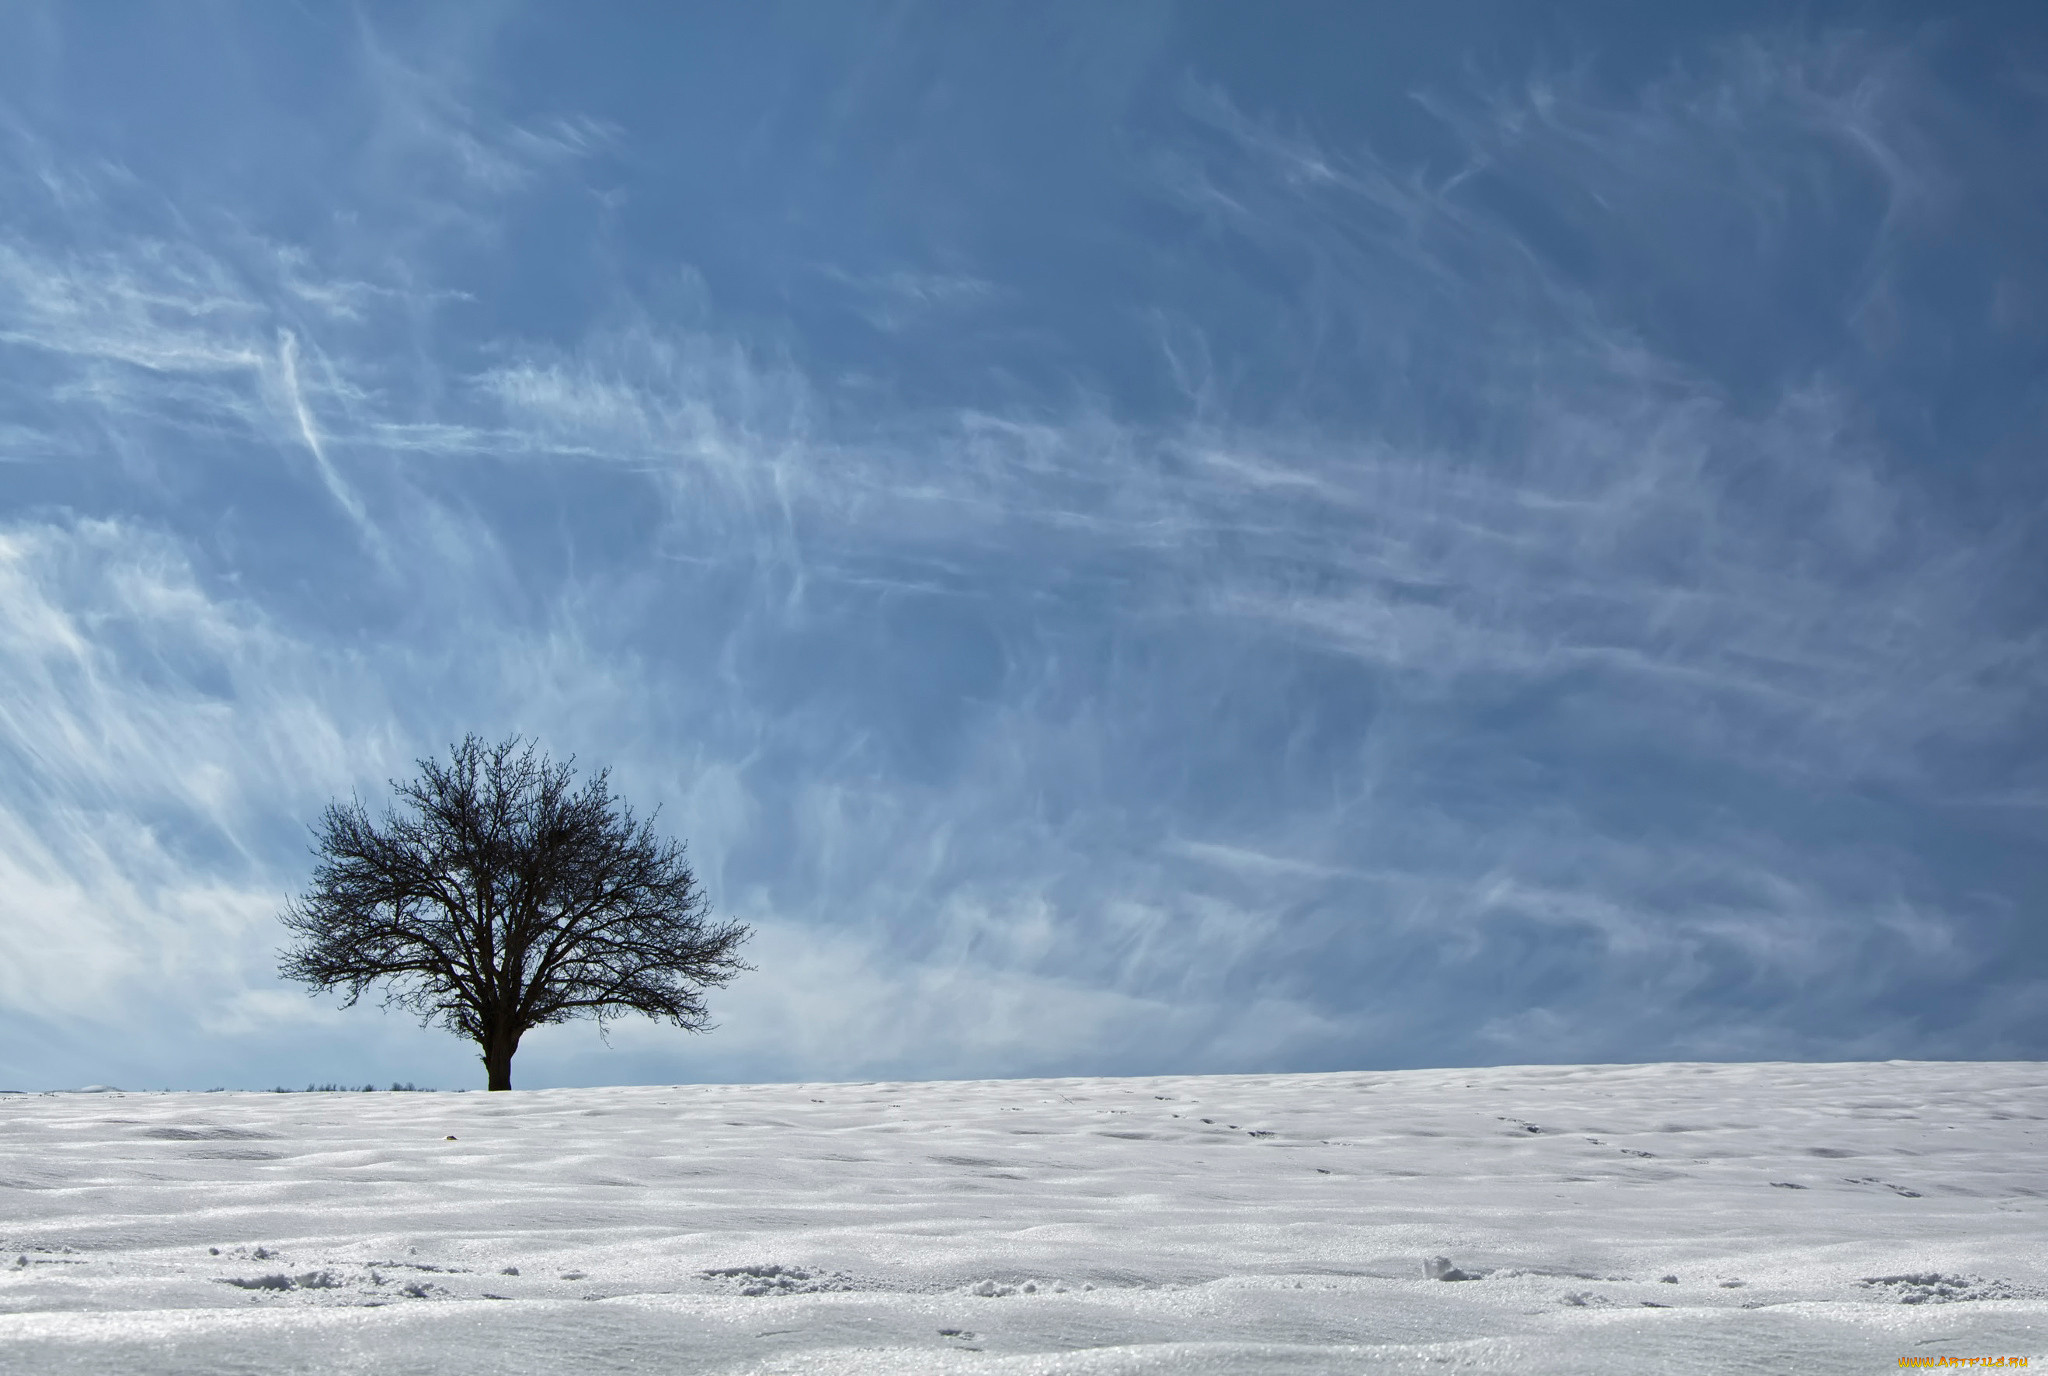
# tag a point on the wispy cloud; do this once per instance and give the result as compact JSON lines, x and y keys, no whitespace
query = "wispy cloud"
{"x":157,"y":738}
{"x":302,"y":415}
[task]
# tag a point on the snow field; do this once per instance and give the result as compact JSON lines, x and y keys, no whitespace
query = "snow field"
{"x":1809,"y":1217}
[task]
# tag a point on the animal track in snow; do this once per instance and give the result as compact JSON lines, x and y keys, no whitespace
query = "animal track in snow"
{"x":1932,"y":1287}
{"x":308,"y":1280}
{"x":368,"y":1284}
{"x":781,"y":1280}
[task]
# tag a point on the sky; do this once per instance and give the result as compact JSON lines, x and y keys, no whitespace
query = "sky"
{"x":1147,"y":538}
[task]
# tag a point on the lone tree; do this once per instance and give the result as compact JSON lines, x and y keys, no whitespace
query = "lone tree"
{"x":498,"y":898}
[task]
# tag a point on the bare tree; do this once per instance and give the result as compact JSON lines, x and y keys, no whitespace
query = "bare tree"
{"x":498,"y":898}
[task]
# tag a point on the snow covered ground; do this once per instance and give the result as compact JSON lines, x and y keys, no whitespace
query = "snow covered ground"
{"x":1667,"y":1218}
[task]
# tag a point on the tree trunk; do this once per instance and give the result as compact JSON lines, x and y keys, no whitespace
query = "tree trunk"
{"x":498,"y":1049}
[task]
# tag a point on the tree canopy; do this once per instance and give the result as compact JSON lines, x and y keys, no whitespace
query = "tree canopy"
{"x":496,"y":896}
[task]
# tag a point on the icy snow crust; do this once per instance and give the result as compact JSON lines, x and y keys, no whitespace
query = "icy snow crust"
{"x":1667,"y":1218}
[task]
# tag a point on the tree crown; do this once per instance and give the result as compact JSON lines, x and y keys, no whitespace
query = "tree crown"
{"x":496,"y":896}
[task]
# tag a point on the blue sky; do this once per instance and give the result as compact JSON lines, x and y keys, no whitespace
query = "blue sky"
{"x":1127,"y":538}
